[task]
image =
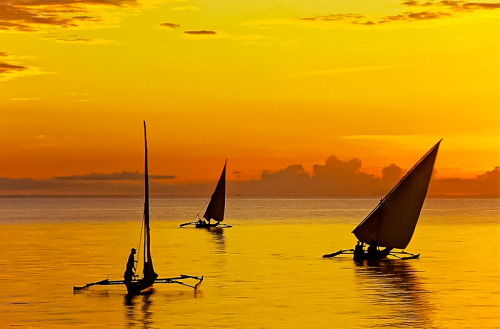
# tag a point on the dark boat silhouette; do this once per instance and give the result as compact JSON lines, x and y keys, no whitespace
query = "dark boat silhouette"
{"x":392,"y":222}
{"x":138,"y":286}
{"x":216,"y":206}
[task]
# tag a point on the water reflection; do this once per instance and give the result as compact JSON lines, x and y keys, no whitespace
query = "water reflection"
{"x":218,"y":237}
{"x":394,"y":284}
{"x":144,"y":302}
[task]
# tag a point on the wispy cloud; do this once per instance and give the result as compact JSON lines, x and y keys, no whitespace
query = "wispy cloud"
{"x":10,"y":67}
{"x":31,"y":15}
{"x":424,"y":11}
{"x":201,"y":32}
{"x":210,"y":34}
{"x":124,"y":175}
{"x":82,"y":40}
{"x":358,"y":19}
{"x":170,"y":25}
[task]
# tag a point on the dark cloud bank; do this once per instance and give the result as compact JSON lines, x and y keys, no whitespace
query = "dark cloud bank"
{"x":335,"y":178}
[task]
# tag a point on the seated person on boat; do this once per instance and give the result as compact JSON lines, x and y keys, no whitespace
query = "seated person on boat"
{"x":372,"y":251}
{"x":202,"y":223}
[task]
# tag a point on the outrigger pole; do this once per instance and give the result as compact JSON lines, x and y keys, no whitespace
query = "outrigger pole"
{"x":107,"y":282}
{"x":392,"y":253}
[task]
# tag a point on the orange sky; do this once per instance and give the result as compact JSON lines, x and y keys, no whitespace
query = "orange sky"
{"x":264,"y":84}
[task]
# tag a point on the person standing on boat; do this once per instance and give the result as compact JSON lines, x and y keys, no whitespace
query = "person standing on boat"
{"x":130,"y":270}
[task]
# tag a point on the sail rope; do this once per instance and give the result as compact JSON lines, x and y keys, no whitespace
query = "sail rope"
{"x":140,"y":243}
{"x":205,"y":207}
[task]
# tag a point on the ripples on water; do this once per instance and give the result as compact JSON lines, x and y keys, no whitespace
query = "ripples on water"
{"x":265,"y":272}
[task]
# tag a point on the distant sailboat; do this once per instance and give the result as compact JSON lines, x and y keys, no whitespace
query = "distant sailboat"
{"x":216,"y":206}
{"x":135,"y":286}
{"x":392,"y":222}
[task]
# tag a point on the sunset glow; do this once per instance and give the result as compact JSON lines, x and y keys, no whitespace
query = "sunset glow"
{"x":263,"y":84}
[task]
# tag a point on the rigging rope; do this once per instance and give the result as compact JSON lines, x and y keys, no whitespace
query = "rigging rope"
{"x":206,"y":205}
{"x":140,"y":242}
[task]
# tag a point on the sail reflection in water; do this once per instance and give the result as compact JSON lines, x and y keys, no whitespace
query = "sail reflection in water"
{"x":394,"y":287}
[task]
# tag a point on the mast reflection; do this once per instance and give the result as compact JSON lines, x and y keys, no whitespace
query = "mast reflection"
{"x":394,"y":284}
{"x":144,"y":301}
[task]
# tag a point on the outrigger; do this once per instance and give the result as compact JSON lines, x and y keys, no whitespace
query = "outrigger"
{"x":215,"y":208}
{"x":392,"y":222}
{"x":138,"y":286}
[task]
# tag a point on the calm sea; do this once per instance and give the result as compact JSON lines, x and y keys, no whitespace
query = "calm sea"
{"x":265,"y":272}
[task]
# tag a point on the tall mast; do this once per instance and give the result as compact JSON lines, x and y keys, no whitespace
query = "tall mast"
{"x":148,"y":262}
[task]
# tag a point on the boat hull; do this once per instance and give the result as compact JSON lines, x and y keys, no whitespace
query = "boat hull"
{"x":139,"y":287}
{"x":380,"y":254}
{"x":205,"y":225}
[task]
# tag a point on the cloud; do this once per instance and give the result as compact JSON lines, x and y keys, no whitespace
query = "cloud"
{"x":433,"y":10}
{"x":8,"y":68}
{"x":31,"y":15}
{"x":480,"y":5}
{"x":170,"y":25}
{"x":334,"y":178}
{"x":346,"y":178}
{"x":416,"y":16}
{"x":358,"y":19}
{"x":392,"y":173}
{"x":82,"y":40}
{"x":333,"y":17}
{"x":454,"y":5}
{"x":487,"y":184}
{"x":201,"y":32}
{"x":124,"y":175}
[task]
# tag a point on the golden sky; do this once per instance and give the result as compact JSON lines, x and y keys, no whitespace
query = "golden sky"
{"x":265,"y":84}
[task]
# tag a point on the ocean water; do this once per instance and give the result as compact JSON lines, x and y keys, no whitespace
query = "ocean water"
{"x":264,"y":272}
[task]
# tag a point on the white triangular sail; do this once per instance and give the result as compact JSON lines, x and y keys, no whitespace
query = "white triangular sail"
{"x":215,"y":209}
{"x":392,"y":223}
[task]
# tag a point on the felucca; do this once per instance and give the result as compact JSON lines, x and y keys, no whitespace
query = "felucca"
{"x":216,"y":206}
{"x":392,"y":222}
{"x":137,"y":286}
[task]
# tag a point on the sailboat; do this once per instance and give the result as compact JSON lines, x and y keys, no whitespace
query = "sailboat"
{"x":138,"y":286}
{"x":392,"y":222}
{"x":216,"y":206}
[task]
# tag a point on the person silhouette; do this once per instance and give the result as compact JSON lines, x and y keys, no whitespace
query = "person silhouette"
{"x":130,"y":268}
{"x":372,"y":250}
{"x":359,"y":252}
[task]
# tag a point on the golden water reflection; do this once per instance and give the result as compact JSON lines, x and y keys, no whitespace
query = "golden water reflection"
{"x":394,"y":285}
{"x":142,"y":302}
{"x":218,"y":237}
